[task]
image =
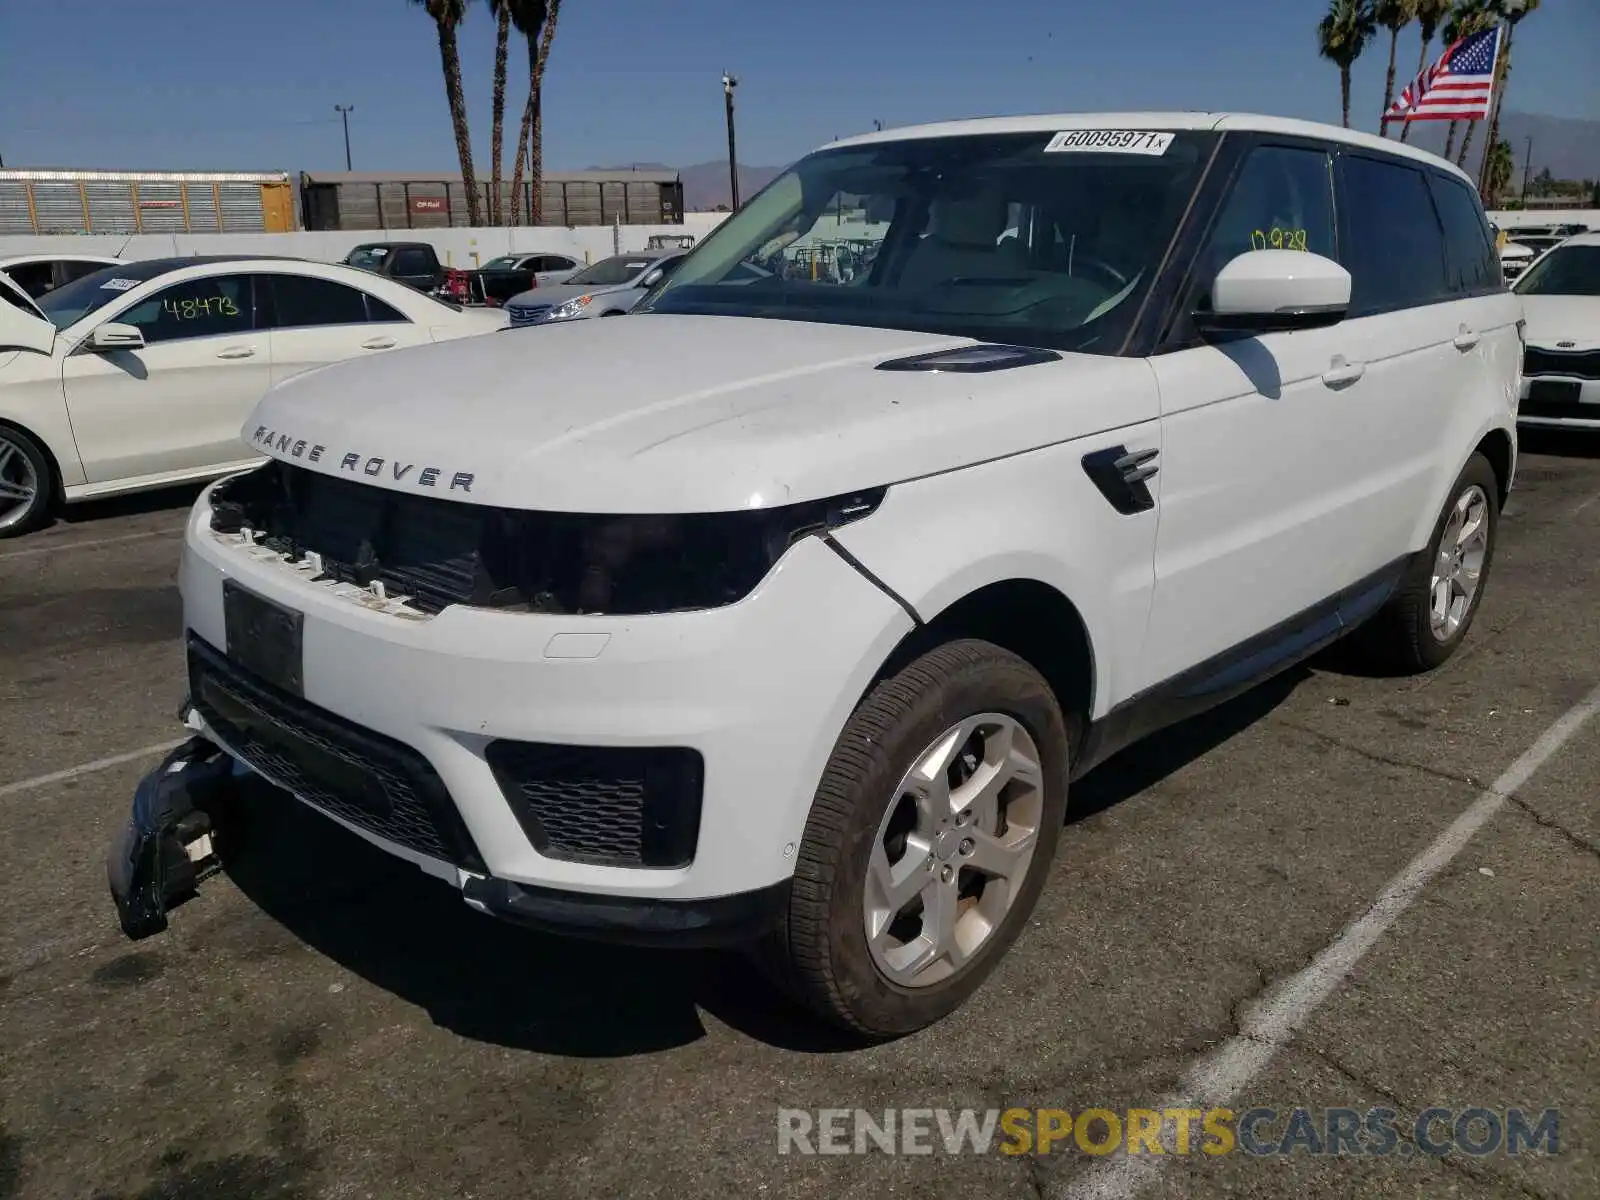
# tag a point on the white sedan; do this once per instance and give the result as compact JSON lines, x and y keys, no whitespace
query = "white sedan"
{"x":37,"y":274}
{"x":141,"y":374}
{"x":1561,"y":367}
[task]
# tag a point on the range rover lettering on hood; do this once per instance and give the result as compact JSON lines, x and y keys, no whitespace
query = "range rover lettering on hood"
{"x":288,"y":446}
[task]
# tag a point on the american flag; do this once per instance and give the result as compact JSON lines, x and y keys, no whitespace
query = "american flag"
{"x":1457,"y":87}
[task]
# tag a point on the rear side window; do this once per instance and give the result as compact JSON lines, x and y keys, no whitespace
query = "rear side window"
{"x":35,"y":278}
{"x":412,"y":262}
{"x":1474,"y":262}
{"x":1393,"y":245}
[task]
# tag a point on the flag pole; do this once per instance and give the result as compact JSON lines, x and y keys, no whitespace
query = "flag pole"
{"x":1492,"y":111}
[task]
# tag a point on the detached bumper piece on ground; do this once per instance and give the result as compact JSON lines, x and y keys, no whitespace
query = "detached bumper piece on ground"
{"x":168,"y":847}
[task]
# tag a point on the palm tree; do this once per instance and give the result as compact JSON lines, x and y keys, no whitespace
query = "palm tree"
{"x":502,"y":39}
{"x":1468,"y":17}
{"x":1342,"y":36}
{"x":536,"y":19}
{"x":1498,"y":172}
{"x":447,"y":17}
{"x":1393,"y":15}
{"x":1429,"y":14}
{"x":1513,"y":11}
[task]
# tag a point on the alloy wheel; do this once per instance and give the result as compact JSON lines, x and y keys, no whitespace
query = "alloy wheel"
{"x":19,"y":483}
{"x":1458,"y":566}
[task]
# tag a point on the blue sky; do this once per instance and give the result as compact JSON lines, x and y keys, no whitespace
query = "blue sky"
{"x":222,"y":83}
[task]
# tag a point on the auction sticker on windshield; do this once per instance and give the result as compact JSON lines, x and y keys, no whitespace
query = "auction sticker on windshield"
{"x":1113,"y":141}
{"x":118,"y":285}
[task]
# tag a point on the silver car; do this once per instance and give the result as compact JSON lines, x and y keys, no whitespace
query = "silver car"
{"x":607,"y":288}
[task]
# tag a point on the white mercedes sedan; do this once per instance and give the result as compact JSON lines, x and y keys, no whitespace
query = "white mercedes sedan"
{"x":140,"y":375}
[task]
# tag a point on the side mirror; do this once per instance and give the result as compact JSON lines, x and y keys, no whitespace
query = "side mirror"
{"x":651,"y":278}
{"x":1271,"y":291}
{"x":112,"y":336}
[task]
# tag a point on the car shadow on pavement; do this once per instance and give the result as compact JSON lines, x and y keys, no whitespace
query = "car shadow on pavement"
{"x":1558,"y":443}
{"x":481,"y":977}
{"x":484,"y":979}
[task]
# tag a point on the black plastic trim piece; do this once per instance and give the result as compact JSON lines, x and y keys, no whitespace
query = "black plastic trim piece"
{"x":853,"y":561}
{"x":1120,"y":474}
{"x":970,"y":360}
{"x":634,"y":920}
{"x":1235,"y":671}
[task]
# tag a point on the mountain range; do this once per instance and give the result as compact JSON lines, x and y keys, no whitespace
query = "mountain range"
{"x":1568,"y":146}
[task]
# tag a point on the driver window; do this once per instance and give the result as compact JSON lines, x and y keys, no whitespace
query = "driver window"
{"x":1282,"y":199}
{"x":195,"y":308}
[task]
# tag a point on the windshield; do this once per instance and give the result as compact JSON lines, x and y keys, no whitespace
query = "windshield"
{"x":608,"y":271}
{"x":368,"y":258}
{"x":71,"y":302}
{"x":1565,"y":271}
{"x":506,"y":262}
{"x":1026,"y":238}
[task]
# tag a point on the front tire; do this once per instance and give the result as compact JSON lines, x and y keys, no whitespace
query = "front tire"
{"x":928,"y":842}
{"x":26,"y":483}
{"x":1427,"y":619}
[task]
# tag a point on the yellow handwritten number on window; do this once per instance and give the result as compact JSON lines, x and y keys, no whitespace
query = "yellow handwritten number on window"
{"x":1278,"y":238}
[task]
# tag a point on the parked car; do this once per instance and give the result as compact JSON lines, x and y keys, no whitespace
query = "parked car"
{"x":37,"y":274}
{"x":1515,"y":258}
{"x":415,"y":264}
{"x":1561,"y":369}
{"x":138,"y":375}
{"x":607,"y":288}
{"x":801,"y":640}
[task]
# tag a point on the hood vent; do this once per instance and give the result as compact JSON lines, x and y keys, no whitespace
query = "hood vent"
{"x":972,"y":360}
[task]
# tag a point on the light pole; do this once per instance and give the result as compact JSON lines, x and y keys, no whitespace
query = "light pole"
{"x":1527,"y":167}
{"x":344,"y":110}
{"x":728,"y":84}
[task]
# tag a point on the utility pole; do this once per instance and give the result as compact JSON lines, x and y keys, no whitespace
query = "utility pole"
{"x":728,"y":84}
{"x":1527,"y":167}
{"x":877,"y":125}
{"x":344,"y":110}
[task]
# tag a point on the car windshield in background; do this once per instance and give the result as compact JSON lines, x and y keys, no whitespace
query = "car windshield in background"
{"x":1028,"y":238}
{"x":1566,"y":271}
{"x":368,"y":258}
{"x":608,"y":271}
{"x":506,"y":262}
{"x":71,"y":302}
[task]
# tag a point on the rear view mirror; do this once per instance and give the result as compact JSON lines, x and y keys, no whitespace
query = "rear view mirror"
{"x":1266,"y":291}
{"x":112,"y":336}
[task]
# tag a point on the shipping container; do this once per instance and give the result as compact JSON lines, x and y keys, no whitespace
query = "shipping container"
{"x":385,"y":200}
{"x":145,"y":202}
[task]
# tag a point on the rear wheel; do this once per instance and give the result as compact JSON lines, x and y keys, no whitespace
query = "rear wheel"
{"x":1429,"y":615}
{"x":25,"y":483}
{"x":928,"y":842}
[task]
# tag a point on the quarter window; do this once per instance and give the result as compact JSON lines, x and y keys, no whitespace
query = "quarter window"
{"x":1394,"y":246}
{"x":34,"y":278}
{"x":1474,"y":264}
{"x":205,"y":307}
{"x":304,"y":300}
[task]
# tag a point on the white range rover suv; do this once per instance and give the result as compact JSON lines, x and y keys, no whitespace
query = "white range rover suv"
{"x":985,"y":449}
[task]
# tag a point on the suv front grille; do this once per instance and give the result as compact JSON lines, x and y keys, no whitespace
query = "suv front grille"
{"x":527,"y":314}
{"x":363,"y":777}
{"x":1574,"y":364}
{"x":606,"y":805}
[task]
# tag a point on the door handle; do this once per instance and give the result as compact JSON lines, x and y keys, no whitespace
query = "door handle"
{"x":1466,"y":339}
{"x":1341,"y":373}
{"x":237,"y":352}
{"x":378,"y":343}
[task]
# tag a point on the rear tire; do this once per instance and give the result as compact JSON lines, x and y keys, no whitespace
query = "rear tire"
{"x":27,"y":483}
{"x":912,"y":877}
{"x":1427,"y":618}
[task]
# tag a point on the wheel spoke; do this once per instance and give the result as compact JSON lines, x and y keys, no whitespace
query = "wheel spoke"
{"x":1472,"y":527}
{"x":999,"y":858}
{"x":897,"y":884}
{"x":15,"y":491}
{"x":941,"y":906}
{"x":7,"y":453}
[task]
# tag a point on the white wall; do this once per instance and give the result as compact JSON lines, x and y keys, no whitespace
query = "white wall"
{"x":455,"y":247}
{"x":1520,"y":218}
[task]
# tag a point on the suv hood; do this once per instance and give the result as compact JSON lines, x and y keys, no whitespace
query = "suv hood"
{"x":1553,"y":319}
{"x":677,"y":414}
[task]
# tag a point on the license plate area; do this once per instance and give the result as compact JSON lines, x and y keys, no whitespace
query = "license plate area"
{"x":1554,"y":391}
{"x":264,"y":638}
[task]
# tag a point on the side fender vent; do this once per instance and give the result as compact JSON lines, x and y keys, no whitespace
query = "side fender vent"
{"x":972,"y":360}
{"x":1121,"y":476}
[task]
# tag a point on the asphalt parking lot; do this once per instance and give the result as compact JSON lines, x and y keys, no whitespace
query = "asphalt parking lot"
{"x":323,"y":1022}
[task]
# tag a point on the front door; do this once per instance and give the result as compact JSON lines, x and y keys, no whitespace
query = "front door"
{"x":178,"y":404}
{"x":1261,"y":517}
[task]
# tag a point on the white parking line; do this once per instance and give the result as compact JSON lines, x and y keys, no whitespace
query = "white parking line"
{"x":88,"y":768}
{"x":116,"y":541}
{"x":1219,"y":1077}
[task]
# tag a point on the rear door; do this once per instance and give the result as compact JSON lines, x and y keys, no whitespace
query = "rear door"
{"x":313,"y":321}
{"x":177,"y":404}
{"x":1415,"y":335}
{"x":415,"y":266}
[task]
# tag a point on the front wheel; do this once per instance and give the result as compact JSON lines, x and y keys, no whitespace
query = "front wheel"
{"x":25,"y":483}
{"x":928,"y":842}
{"x":1428,"y":617}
